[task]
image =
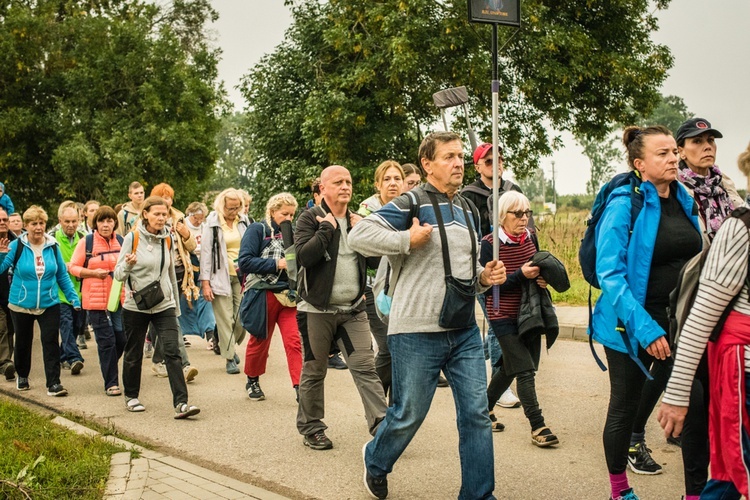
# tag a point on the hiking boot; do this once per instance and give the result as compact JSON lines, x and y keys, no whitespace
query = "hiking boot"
{"x":377,"y":488}
{"x":232,"y":367}
{"x":57,"y":390}
{"x":626,"y":495}
{"x":508,"y":399}
{"x":318,"y":441}
{"x":159,"y":369}
{"x":254,"y":392}
{"x":76,"y":367}
{"x":442,"y":381}
{"x":10,"y":371}
{"x":148,"y":349}
{"x":22,"y":383}
{"x":190,"y":373}
{"x":81,"y":342}
{"x":184,"y":410}
{"x":640,"y":461}
{"x":65,"y":365}
{"x":335,"y":362}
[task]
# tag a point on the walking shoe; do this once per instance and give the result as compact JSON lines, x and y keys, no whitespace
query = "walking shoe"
{"x":186,"y":341}
{"x":296,"y":392}
{"x":184,"y":410}
{"x":10,"y":371}
{"x":76,"y":367}
{"x":508,"y":399}
{"x":57,"y":390}
{"x":336,"y":362}
{"x":442,"y":381}
{"x":209,"y":340}
{"x":626,"y":495}
{"x":217,"y":346}
{"x":377,"y":488}
{"x":88,"y":331}
{"x":65,"y":365}
{"x":159,"y":369}
{"x":254,"y":392}
{"x":496,"y":426}
{"x":675,"y":441}
{"x":640,"y":461}
{"x":190,"y":373}
{"x":22,"y":383}
{"x":148,"y":349}
{"x":232,"y":367}
{"x":318,"y":441}
{"x":81,"y":342}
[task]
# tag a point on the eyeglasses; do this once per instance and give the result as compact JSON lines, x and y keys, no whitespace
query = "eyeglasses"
{"x":521,"y":213}
{"x":4,"y":220}
{"x":412,"y":183}
{"x":488,"y":161}
{"x":232,"y":209}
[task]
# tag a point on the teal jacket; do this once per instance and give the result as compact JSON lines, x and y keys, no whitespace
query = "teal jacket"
{"x":623,"y":266}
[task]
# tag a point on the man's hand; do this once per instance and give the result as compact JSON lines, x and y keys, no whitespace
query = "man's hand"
{"x":493,"y":274}
{"x":354,"y":218}
{"x":659,"y":348}
{"x":4,"y":245}
{"x":329,"y":218}
{"x":671,"y":418}
{"x":208,"y":294}
{"x":419,"y":235}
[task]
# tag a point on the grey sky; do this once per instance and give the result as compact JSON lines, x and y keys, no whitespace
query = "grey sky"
{"x":709,"y":40}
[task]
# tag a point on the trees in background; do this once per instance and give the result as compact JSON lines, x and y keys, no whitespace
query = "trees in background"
{"x":98,"y":93}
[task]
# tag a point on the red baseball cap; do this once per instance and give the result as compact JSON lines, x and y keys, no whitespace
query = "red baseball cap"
{"x":482,"y":150}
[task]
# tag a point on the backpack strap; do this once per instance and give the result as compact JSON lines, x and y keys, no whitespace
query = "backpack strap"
{"x":17,"y":255}
{"x":89,"y":249}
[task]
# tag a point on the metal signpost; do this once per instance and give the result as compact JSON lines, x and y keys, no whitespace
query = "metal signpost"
{"x":495,"y":12}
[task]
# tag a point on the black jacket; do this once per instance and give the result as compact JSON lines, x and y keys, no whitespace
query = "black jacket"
{"x":317,"y":246}
{"x":536,"y":316}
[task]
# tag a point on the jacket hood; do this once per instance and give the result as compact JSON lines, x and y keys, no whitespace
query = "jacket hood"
{"x":213,"y":219}
{"x":163,"y":234}
{"x":48,"y":240}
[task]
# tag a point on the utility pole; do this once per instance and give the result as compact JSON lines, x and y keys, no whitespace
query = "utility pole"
{"x":554,"y":188}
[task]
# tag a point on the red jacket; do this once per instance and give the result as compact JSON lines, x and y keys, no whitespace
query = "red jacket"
{"x":95,"y":291}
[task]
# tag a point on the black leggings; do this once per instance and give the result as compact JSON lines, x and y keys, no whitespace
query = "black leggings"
{"x":626,"y":384}
{"x":652,"y":391}
{"x":695,"y":449}
{"x":526,"y":390}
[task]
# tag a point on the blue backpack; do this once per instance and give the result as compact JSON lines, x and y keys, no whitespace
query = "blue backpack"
{"x":587,"y":252}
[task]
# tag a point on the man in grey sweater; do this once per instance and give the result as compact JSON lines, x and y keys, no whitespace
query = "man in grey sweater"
{"x":419,"y":346}
{"x":331,"y":284}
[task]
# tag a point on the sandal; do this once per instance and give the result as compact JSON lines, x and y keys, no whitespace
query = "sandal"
{"x":134,"y":405}
{"x":186,"y":341}
{"x":543,"y":437}
{"x":496,"y":426}
{"x":113,"y":391}
{"x":184,"y":410}
{"x":210,"y":345}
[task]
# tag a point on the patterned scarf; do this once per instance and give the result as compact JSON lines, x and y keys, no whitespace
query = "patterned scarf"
{"x":713,"y":202}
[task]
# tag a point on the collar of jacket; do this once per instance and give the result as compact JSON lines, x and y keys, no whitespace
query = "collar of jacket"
{"x":327,"y":210}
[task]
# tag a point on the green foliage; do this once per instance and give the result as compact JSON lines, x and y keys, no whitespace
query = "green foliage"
{"x":47,"y":461}
{"x":670,"y":112}
{"x":352,"y":83}
{"x":99,"y":94}
{"x":603,"y":156}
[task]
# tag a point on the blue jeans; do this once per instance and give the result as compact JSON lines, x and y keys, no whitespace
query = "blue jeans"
{"x":110,"y":343}
{"x":71,"y":324}
{"x":490,"y":341}
{"x":726,"y":490}
{"x":417,"y":359}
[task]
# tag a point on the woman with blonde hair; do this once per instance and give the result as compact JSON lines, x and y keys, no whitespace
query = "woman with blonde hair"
{"x":220,"y":281}
{"x":262,"y":258}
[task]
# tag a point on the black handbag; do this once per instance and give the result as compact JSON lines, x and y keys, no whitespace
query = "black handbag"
{"x":457,"y":310}
{"x":150,"y":295}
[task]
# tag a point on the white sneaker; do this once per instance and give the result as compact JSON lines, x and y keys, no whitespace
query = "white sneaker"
{"x":509,"y":400}
{"x":159,"y":369}
{"x":148,"y":349}
{"x":190,"y":372}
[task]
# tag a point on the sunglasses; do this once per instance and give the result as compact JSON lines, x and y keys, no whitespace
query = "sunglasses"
{"x":521,"y":213}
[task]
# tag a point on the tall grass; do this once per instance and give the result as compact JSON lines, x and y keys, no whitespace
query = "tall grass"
{"x":561,"y":234}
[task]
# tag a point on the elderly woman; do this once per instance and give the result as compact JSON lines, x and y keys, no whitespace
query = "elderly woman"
{"x":220,"y":282}
{"x":637,"y":266}
{"x":95,"y":268}
{"x":389,"y":182}
{"x":262,"y":259}
{"x":520,"y":358}
{"x":38,"y":271}
{"x":146,"y":268}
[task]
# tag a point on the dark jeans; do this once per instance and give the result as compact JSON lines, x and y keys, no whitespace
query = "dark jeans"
{"x":110,"y":344}
{"x":526,"y":391}
{"x":626,"y":384}
{"x":72,"y":323}
{"x":165,"y":331}
{"x":6,"y":337}
{"x":379,"y":332}
{"x":49,"y":322}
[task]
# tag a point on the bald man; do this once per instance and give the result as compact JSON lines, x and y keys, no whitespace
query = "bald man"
{"x":332,"y":285}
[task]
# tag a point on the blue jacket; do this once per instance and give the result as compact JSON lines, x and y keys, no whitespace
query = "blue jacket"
{"x":31,"y":292}
{"x":254,"y":241}
{"x":7,"y":204}
{"x":623,"y":265}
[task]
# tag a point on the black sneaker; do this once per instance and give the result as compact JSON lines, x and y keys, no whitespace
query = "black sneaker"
{"x":76,"y":367}
{"x":10,"y":371}
{"x":318,"y":441}
{"x":57,"y":390}
{"x":336,"y":362}
{"x":254,"y":392}
{"x":22,"y":383}
{"x":377,"y":488}
{"x":640,"y":461}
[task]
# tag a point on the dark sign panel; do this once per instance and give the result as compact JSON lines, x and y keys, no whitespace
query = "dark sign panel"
{"x":507,"y":12}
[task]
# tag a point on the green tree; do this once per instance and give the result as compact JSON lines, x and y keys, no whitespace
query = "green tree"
{"x":670,"y":112}
{"x":98,"y":93}
{"x":352,"y":82}
{"x":603,"y":156}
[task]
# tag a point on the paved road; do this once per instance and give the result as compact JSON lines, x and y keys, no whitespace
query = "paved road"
{"x":257,"y":442}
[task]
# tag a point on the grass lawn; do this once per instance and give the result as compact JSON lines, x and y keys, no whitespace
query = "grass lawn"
{"x":58,"y":463}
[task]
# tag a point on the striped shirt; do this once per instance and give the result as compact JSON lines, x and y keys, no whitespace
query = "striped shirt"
{"x":723,"y":276}
{"x":514,"y":256}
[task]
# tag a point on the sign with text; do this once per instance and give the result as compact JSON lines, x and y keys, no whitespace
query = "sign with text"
{"x":507,"y":12}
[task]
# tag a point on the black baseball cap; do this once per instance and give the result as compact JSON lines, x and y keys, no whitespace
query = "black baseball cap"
{"x":693,"y":127}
